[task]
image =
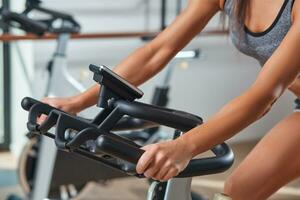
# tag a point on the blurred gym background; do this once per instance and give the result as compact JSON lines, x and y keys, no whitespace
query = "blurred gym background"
{"x":200,"y":86}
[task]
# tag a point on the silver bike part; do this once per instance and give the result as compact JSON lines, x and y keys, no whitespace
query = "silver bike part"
{"x":152,"y":190}
{"x":45,"y":164}
{"x":60,"y":83}
{"x":221,"y":197}
{"x":176,"y":189}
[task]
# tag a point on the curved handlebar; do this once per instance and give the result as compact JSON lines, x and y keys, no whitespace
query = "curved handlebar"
{"x":68,"y":25}
{"x":23,"y":22}
{"x":115,"y":108}
{"x":28,"y":102}
{"x":117,"y":146}
{"x":37,"y":108}
{"x":197,"y":167}
{"x":164,"y":116}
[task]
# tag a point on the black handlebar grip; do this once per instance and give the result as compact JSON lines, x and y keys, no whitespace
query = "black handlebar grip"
{"x":29,"y":24}
{"x":28,"y":102}
{"x":25,"y":23}
{"x":197,"y":167}
{"x":211,"y":165}
{"x":118,"y":148}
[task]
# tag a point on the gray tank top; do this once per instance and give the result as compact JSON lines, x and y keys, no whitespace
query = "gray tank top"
{"x":260,"y":45}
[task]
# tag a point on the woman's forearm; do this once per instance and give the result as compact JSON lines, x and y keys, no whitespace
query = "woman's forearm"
{"x":232,"y":118}
{"x":137,"y":68}
{"x":87,"y":98}
{"x":148,"y":60}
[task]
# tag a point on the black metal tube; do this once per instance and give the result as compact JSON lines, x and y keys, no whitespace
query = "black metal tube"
{"x":7,"y":86}
{"x":121,"y":149}
{"x":163,"y":14}
{"x":178,"y":7}
{"x":28,"y":102}
{"x":221,"y":162}
{"x":164,"y":116}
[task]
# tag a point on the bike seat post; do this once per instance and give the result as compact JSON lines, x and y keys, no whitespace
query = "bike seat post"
{"x":62,"y":42}
{"x":178,"y":188}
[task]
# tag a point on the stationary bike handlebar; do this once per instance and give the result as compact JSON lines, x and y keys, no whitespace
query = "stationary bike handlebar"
{"x":37,"y":108}
{"x":68,"y":24}
{"x":117,"y":103}
{"x":120,"y":149}
{"x":39,"y":26}
{"x":23,"y":22}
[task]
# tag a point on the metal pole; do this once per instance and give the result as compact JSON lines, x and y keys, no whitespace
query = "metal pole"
{"x":7,"y":86}
{"x":163,"y":14}
{"x":178,"y":7}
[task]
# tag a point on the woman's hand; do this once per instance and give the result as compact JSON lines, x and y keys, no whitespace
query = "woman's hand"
{"x":70,"y":105}
{"x":164,"y":160}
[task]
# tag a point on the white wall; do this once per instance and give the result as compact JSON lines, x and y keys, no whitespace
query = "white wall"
{"x":19,"y":87}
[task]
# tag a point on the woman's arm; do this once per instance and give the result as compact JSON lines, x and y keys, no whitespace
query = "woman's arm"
{"x":148,"y":60}
{"x":276,"y":76}
{"x":165,"y":160}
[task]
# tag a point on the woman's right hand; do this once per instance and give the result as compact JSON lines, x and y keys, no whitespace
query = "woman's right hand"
{"x":70,"y":105}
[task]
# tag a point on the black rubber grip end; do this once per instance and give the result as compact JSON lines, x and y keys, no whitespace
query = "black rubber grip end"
{"x":28,"y":102}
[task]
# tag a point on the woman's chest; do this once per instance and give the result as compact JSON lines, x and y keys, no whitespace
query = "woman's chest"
{"x":261,"y":47}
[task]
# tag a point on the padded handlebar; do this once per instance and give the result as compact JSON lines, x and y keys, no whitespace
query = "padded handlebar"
{"x":120,"y":149}
{"x":28,"y":102}
{"x":168,"y":117}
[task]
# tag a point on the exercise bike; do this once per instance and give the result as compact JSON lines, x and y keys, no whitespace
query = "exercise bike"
{"x":30,"y":170}
{"x":32,"y":174}
{"x":121,"y":111}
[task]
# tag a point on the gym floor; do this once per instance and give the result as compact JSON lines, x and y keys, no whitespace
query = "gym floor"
{"x":133,"y":189}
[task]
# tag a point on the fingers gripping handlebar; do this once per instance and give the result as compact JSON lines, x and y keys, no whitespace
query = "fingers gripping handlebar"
{"x":118,"y":101}
{"x":197,"y":167}
{"x":64,"y":121}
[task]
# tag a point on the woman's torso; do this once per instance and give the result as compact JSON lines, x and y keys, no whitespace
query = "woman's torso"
{"x":261,"y":45}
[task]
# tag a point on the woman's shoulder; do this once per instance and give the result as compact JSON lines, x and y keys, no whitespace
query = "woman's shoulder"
{"x":296,"y":10}
{"x":226,"y":6}
{"x":222,"y":4}
{"x":216,"y":4}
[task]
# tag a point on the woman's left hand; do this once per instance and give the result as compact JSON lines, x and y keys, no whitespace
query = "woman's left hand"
{"x":164,"y":160}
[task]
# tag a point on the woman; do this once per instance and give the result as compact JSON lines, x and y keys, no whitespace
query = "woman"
{"x":267,"y":30}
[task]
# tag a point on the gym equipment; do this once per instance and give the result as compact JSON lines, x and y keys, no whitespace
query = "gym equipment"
{"x":40,"y":181}
{"x":37,"y":179}
{"x":64,"y":185}
{"x":55,"y":22}
{"x":117,"y":100}
{"x":221,"y":197}
{"x":30,"y":169}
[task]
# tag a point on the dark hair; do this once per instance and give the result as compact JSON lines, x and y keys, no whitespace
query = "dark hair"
{"x":240,"y":10}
